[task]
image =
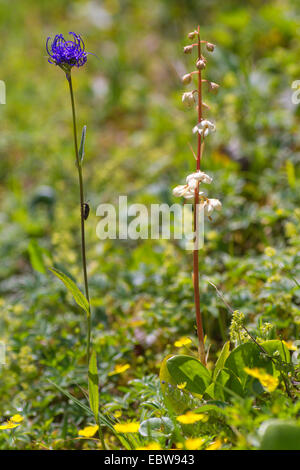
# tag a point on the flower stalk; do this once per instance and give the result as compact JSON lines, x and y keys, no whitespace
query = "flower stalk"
{"x":199,"y":321}
{"x":191,"y":190}
{"x":82,"y":214}
{"x":66,"y":55}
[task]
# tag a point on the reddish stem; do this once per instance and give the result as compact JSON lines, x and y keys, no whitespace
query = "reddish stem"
{"x":196,"y":225}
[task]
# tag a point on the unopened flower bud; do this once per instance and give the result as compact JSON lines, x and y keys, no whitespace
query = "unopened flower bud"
{"x":188,"y":98}
{"x":210,"y":47}
{"x":200,"y":64}
{"x":187,"y":78}
{"x":214,"y":87}
{"x":192,"y":35}
{"x":187,"y":49}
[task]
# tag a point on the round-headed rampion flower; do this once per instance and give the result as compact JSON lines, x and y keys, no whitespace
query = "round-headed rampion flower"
{"x":66,"y":54}
{"x":204,"y":128}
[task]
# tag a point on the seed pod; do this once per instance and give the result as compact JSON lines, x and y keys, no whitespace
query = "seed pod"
{"x":187,"y":78}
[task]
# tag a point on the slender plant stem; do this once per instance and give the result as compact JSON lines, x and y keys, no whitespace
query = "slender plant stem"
{"x":100,"y":433}
{"x":196,"y":226}
{"x":81,"y":194}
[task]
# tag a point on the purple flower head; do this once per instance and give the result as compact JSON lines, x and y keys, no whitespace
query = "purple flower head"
{"x":66,"y":54}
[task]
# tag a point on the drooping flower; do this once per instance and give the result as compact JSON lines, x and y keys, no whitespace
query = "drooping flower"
{"x":187,"y":78}
{"x":210,"y":47}
{"x":198,"y":176}
{"x":213,"y":87}
{"x":201,"y":64}
{"x":187,"y":49}
{"x":188,"y":98}
{"x":66,"y":54}
{"x":210,"y":204}
{"x":185,"y":191}
{"x":204,"y":128}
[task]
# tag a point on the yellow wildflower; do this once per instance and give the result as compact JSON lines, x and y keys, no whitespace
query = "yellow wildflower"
{"x":151,"y":446}
{"x":119,"y":369}
{"x":184,"y":341}
{"x":181,"y":386}
{"x":193,"y":444}
{"x":275,"y":278}
{"x":215,"y":445}
{"x":127,"y":427}
{"x":118,"y":414}
{"x":17,"y":418}
{"x":269,"y":382}
{"x":190,"y":418}
{"x":9,"y":425}
{"x":135,"y":323}
{"x":290,"y":345}
{"x":88,"y":431}
{"x":270,"y":251}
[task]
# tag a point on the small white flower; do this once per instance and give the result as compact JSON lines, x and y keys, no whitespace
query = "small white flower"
{"x":188,"y":98}
{"x":199,"y":176}
{"x":180,"y":190}
{"x":210,"y":204}
{"x":185,"y":190}
{"x":204,"y":128}
{"x":190,"y":194}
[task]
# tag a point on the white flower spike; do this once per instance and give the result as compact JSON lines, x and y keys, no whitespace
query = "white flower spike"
{"x":204,"y":128}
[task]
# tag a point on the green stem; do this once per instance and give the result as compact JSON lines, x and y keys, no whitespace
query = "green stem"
{"x":81,"y":193}
{"x":100,"y":433}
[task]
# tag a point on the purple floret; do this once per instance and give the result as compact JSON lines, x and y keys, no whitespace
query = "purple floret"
{"x":66,"y":54}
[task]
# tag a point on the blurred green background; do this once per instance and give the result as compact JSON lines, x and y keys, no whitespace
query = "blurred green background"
{"x":129,"y":96}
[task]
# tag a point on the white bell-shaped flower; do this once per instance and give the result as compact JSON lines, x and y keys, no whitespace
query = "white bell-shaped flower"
{"x":204,"y":128}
